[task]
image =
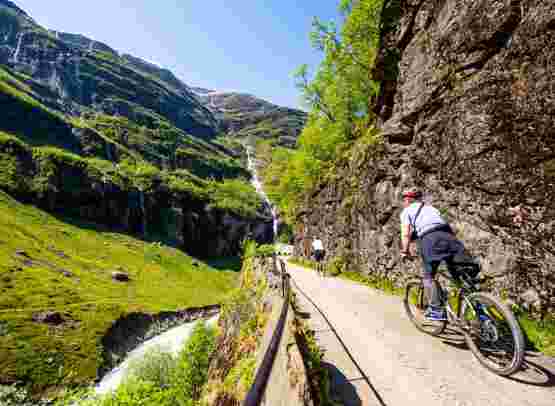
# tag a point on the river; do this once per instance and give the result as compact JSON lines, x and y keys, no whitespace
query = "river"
{"x":171,"y":341}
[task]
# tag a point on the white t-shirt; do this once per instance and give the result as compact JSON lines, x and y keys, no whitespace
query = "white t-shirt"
{"x":428,"y":218}
{"x":317,"y":245}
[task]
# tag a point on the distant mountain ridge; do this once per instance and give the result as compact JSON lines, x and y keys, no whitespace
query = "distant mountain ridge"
{"x":243,"y":115}
{"x":83,"y":74}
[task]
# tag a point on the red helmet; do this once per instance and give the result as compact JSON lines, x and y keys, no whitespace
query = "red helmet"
{"x":412,"y":193}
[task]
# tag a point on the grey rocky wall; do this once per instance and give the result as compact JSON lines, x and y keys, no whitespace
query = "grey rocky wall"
{"x":467,"y":113}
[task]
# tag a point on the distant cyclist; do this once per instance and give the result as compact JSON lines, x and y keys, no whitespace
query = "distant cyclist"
{"x":319,"y":253}
{"x":437,"y":243}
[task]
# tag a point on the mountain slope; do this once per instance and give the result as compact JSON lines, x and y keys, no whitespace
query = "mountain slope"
{"x":128,"y":119}
{"x":243,"y":115}
{"x":59,"y":270}
{"x":100,"y":153}
{"x":79,"y":74}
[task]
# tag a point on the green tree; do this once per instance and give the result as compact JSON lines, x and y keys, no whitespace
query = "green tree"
{"x":339,"y":95}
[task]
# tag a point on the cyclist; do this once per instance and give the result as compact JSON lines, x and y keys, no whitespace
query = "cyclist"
{"x":319,"y":252}
{"x":437,"y":243}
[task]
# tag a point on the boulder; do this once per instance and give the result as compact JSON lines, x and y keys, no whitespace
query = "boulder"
{"x":120,"y":276}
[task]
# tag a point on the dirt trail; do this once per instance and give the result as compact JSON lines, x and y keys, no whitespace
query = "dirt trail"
{"x":401,"y":366}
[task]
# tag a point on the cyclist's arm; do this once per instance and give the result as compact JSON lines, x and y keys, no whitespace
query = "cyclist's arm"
{"x":405,"y":233}
{"x":405,"y":238}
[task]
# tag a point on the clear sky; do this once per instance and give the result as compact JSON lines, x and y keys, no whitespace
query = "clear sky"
{"x":252,"y":46}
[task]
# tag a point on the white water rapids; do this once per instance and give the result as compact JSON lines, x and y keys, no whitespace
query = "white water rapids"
{"x":171,"y":341}
{"x":251,"y":163}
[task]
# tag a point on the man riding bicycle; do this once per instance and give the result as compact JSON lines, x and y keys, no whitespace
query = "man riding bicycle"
{"x":437,"y":243}
{"x":318,"y":252}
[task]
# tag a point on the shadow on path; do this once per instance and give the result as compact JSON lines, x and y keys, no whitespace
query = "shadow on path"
{"x":535,"y":374}
{"x":341,"y":387}
{"x":537,"y":369}
{"x":363,"y":375}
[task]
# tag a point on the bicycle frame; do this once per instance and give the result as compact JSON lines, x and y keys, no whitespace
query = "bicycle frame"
{"x":462,"y":292}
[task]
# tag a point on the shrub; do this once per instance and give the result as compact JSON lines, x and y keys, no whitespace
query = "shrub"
{"x":266,"y":250}
{"x":138,"y":393}
{"x":241,"y":377}
{"x":235,"y":195}
{"x":191,"y":372}
{"x":14,"y":396}
{"x":336,"y":266}
{"x":156,"y":367}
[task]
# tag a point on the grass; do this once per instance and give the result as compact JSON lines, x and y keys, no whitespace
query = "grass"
{"x":35,"y":251}
{"x":206,"y":166}
{"x":540,"y":334}
{"x":157,"y":141}
{"x":35,"y":123}
{"x":303,"y":262}
{"x":313,"y":357}
{"x":383,"y":284}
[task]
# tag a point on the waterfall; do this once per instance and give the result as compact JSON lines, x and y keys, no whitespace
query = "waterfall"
{"x":251,"y":164}
{"x":91,"y":46}
{"x":18,"y":49}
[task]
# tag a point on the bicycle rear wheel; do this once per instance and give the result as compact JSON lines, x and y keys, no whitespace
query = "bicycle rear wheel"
{"x":492,"y":333}
{"x":415,"y":302}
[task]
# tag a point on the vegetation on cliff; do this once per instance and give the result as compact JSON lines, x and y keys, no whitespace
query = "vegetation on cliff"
{"x":244,"y":315}
{"x":338,"y":96}
{"x":26,"y":171}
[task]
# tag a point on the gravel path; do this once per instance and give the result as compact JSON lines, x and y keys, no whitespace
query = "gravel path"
{"x":398,"y":365}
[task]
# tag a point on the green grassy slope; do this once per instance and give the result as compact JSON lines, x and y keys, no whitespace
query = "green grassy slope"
{"x":155,"y":140}
{"x":48,"y":264}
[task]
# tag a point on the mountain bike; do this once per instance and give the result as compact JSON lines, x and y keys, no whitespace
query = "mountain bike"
{"x":489,"y":327}
{"x":320,"y":266}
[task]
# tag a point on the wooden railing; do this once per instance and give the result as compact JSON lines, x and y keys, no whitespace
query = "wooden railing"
{"x":256,"y":393}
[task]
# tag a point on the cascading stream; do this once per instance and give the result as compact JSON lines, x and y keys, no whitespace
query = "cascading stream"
{"x":251,"y":164}
{"x":18,"y":48}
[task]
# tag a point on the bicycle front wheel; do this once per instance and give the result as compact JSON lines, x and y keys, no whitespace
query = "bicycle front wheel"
{"x":415,"y":302}
{"x":492,"y":333}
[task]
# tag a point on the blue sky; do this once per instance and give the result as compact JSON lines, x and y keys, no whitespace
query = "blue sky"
{"x":251,"y":46}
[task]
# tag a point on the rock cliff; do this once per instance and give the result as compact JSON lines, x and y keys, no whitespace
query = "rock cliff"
{"x":467,"y":113}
